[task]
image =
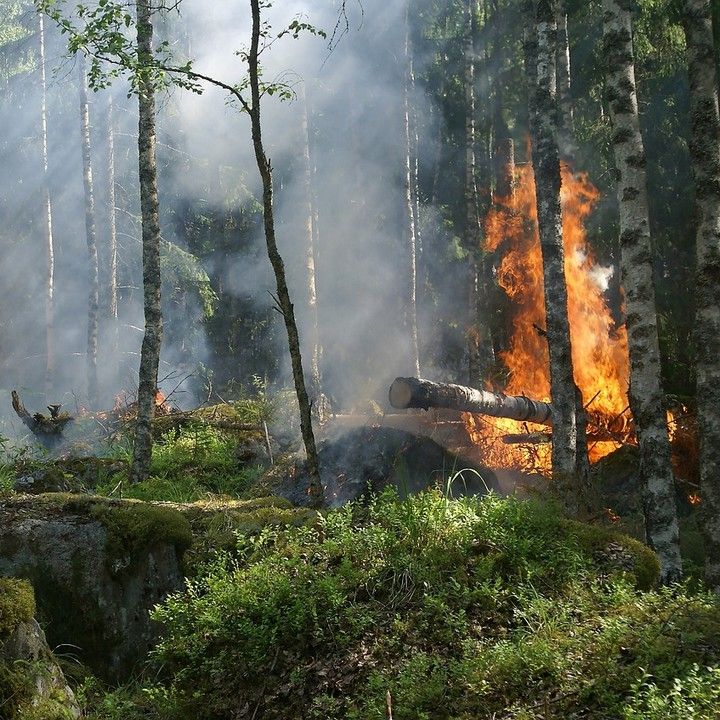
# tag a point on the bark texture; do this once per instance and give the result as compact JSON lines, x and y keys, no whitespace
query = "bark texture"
{"x":112,"y":283}
{"x":283,"y":294}
{"x":91,"y":237}
{"x":47,"y":222}
{"x":705,"y":152}
{"x":310,"y":257}
{"x":424,"y":394}
{"x":565,"y":106}
{"x":546,"y":164}
{"x":410,"y":215}
{"x":150,"y":211}
{"x":647,"y":400}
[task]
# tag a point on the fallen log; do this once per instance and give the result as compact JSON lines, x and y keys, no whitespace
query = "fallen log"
{"x":413,"y":392}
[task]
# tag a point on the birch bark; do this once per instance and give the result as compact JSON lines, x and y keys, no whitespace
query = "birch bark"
{"x":150,"y":212}
{"x":647,"y":400}
{"x":47,"y":223}
{"x":705,"y":153}
{"x":91,"y":237}
{"x":546,"y":163}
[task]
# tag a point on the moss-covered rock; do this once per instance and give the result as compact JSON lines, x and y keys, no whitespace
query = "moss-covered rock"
{"x":97,"y":566}
{"x":32,"y":685}
{"x":615,"y":552}
{"x":17,"y":604}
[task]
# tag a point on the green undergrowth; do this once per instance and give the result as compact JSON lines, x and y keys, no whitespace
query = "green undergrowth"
{"x":459,"y":609}
{"x":194,"y":462}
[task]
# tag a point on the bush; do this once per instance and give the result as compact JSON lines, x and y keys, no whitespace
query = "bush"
{"x":460,"y":609}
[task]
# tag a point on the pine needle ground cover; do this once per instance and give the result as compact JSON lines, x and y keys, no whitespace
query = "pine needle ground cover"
{"x":446,"y":609}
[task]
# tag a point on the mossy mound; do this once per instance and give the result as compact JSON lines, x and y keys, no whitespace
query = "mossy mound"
{"x":480,"y":607}
{"x":217,"y":523}
{"x":17,"y":604}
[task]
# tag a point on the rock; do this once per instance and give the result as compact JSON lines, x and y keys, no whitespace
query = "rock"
{"x":97,"y":567}
{"x":76,"y":475}
{"x":31,"y":681}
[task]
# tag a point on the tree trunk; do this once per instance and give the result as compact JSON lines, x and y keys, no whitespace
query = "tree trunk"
{"x":410,"y":224}
{"x":112,"y":285}
{"x":91,"y":236}
{"x":646,"y":396}
{"x":418,"y":393}
{"x":310,"y":262}
{"x":47,"y":222}
{"x":150,"y":212}
{"x":546,"y":164}
{"x":476,"y":338}
{"x":565,"y":107}
{"x":283,"y":294}
{"x":705,"y":152}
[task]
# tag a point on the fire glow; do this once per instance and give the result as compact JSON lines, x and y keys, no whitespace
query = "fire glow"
{"x":599,"y":347}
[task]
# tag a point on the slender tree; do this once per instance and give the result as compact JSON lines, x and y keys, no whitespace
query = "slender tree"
{"x":647,"y":400}
{"x":566,"y":118}
{"x":91,"y":237}
{"x":409,"y":205}
{"x":546,"y":163}
{"x":47,"y":224}
{"x":705,"y":152}
{"x":472,"y":219}
{"x":112,"y":277}
{"x":283,"y":294}
{"x":150,"y":212}
{"x":310,"y":261}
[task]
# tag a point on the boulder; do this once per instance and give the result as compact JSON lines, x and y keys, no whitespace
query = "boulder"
{"x":97,"y":567}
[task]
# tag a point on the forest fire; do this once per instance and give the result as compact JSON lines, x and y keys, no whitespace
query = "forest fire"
{"x":600,"y":355}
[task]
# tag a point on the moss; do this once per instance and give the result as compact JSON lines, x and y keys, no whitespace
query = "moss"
{"x":215,"y":525}
{"x":16,"y":688}
{"x":132,"y":526}
{"x":600,"y":543}
{"x":17,"y":604}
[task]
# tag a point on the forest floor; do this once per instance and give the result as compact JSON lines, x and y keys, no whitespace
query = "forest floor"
{"x":407,"y":605}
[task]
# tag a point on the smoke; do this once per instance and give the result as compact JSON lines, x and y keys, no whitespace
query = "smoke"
{"x":355,"y":104}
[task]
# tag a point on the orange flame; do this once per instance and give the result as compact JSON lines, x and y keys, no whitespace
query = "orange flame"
{"x":599,"y":347}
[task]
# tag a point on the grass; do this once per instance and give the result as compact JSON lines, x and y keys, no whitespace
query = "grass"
{"x":460,"y":609}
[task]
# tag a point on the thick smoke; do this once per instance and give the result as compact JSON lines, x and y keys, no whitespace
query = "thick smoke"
{"x":355,"y":101}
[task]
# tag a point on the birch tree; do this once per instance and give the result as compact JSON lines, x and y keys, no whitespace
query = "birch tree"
{"x":47,"y":221}
{"x":647,"y":400}
{"x":90,"y":236}
{"x":409,"y":206}
{"x":546,"y":164}
{"x":705,"y":153}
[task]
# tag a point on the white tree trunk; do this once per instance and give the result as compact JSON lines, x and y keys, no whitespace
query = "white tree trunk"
{"x":705,"y":151}
{"x":91,"y":237}
{"x":410,"y":225}
{"x":647,"y":400}
{"x":47,"y":223}
{"x":546,"y":164}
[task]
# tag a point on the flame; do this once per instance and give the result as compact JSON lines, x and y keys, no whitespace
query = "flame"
{"x":599,"y":346}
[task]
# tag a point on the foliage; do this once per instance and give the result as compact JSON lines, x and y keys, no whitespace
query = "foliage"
{"x":17,"y":604}
{"x":461,"y":609}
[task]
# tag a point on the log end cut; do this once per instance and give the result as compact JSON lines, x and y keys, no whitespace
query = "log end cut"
{"x":401,"y":393}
